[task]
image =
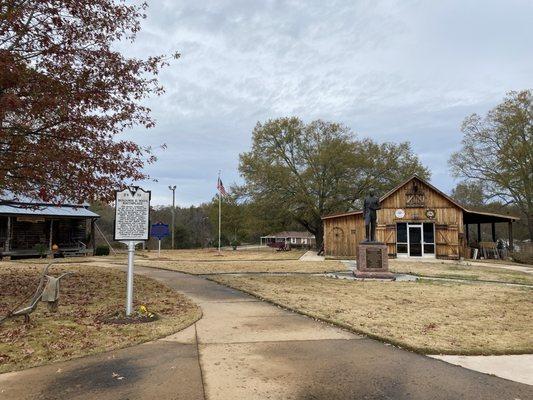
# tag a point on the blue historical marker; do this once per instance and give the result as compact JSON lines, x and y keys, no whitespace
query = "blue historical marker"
{"x":160,"y":231}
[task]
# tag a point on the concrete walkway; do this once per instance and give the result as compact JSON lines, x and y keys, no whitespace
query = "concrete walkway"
{"x":311,"y":255}
{"x":247,"y":349}
{"x":528,"y":269}
{"x":518,"y":368}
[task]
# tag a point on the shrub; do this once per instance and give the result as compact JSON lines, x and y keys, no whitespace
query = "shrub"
{"x":41,"y":249}
{"x":523,"y":257}
{"x":101,"y":251}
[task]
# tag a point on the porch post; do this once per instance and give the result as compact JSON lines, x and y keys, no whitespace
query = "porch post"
{"x":510,"y":235}
{"x":478,"y":232}
{"x":93,"y":239}
{"x":8,"y":236}
{"x":493,"y":227}
{"x":467,"y":233}
{"x":50,"y":242}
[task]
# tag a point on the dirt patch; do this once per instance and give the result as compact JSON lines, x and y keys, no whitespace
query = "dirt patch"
{"x":120,"y":318}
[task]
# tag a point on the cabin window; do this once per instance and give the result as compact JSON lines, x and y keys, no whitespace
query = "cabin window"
{"x":293,"y":240}
{"x":401,"y":238}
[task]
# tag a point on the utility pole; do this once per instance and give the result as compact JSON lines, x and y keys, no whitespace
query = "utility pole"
{"x":173,"y":188}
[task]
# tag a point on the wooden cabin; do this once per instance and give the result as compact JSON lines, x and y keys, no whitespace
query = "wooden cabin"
{"x":30,"y":229}
{"x":415,"y":220}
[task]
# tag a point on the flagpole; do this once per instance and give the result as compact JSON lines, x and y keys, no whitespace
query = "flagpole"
{"x":219,"y":213}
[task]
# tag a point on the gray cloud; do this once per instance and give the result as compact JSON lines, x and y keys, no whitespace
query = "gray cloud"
{"x":391,"y":70}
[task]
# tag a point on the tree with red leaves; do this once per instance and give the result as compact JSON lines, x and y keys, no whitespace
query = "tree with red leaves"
{"x":66,"y":93}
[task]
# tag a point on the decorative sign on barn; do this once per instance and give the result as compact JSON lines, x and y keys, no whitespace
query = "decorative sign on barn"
{"x":415,"y":196}
{"x":132,"y":214}
{"x":430,"y":214}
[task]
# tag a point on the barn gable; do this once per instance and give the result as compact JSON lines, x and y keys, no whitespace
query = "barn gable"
{"x":417,"y":193}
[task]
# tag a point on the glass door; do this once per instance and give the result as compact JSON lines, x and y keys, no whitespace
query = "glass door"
{"x":415,"y":241}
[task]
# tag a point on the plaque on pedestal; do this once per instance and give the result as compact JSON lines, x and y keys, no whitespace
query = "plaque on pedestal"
{"x":373,"y":261}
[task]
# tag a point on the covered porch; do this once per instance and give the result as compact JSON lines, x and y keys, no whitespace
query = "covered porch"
{"x":29,"y":230}
{"x":490,"y":233}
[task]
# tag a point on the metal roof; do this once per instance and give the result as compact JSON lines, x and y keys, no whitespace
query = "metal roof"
{"x":10,"y":197}
{"x":47,"y":211}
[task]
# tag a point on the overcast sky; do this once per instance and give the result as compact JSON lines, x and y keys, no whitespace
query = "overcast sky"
{"x":396,"y":71}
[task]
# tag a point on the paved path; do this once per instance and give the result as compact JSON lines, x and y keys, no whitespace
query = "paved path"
{"x":528,"y":269}
{"x":311,"y":255}
{"x":246,"y":349}
{"x":518,"y":368}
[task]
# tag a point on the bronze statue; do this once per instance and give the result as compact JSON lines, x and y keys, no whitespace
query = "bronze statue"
{"x":370,"y":207}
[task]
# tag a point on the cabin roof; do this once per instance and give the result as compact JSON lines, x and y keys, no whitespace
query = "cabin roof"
{"x":46,"y":210}
{"x":470,"y":216}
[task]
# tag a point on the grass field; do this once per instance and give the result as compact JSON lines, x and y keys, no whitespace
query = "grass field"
{"x":76,"y":329}
{"x":428,"y":317}
{"x":264,"y":254}
{"x":212,"y":267}
{"x":208,"y":261}
{"x":458,"y":271}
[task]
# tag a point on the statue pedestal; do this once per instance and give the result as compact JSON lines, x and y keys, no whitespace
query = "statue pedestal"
{"x":373,"y":261}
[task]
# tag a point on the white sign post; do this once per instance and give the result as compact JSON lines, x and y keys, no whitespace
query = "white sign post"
{"x":132,"y":226}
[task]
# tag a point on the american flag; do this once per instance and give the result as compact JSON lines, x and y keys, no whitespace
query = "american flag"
{"x":220,"y":187}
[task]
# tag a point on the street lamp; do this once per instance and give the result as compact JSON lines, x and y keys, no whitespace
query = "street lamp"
{"x":173,"y":188}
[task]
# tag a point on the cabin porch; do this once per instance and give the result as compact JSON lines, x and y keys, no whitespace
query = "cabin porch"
{"x":40,"y":230}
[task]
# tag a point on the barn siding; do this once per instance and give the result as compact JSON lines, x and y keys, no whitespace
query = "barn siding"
{"x":448,"y":223}
{"x":342,"y":234}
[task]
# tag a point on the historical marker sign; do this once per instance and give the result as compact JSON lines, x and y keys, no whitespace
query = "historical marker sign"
{"x":159,"y":230}
{"x":132,"y":225}
{"x":132,"y":214}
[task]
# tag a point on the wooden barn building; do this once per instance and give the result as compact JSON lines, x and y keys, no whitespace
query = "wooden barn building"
{"x":415,"y":220}
{"x":29,"y":229}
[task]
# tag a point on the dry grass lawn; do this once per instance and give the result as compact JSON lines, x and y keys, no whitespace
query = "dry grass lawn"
{"x":202,"y":255}
{"x":428,"y":317}
{"x":457,"y":271}
{"x":75,"y":330}
{"x":211,"y":267}
{"x":262,"y":254}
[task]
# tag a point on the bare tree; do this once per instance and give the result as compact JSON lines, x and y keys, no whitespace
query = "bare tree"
{"x":497,"y":153}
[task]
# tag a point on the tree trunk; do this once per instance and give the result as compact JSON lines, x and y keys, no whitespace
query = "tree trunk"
{"x":530,"y":225}
{"x":319,"y":235}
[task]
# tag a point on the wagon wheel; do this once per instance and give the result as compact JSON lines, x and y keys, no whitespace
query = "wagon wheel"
{"x":338,"y":234}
